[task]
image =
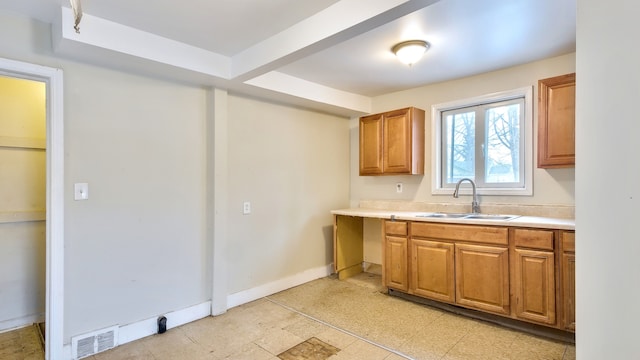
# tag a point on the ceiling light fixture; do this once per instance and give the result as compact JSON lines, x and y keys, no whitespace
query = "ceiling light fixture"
{"x":409,"y":52}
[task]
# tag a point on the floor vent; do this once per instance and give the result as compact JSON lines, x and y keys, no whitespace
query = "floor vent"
{"x":94,"y":342}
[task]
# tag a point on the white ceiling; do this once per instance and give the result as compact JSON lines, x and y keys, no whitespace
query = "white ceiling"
{"x":467,"y":37}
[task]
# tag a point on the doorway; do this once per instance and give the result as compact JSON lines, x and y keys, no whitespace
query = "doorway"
{"x":22,"y":205}
{"x":54,"y":198}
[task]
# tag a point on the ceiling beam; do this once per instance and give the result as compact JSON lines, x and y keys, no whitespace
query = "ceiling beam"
{"x":122,"y":39}
{"x":105,"y":42}
{"x":335,"y":24}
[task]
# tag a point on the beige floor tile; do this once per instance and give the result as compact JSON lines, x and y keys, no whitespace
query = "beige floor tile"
{"x":222,"y":344}
{"x":394,"y":356}
{"x":360,"y":350}
{"x":436,"y":339}
{"x":336,"y":338}
{"x":250,"y":351}
{"x":130,"y":351}
{"x":529,"y":347}
{"x":570,"y":353}
{"x":484,"y":341}
{"x":223,"y":335}
{"x":305,"y":328}
{"x":278,"y":340}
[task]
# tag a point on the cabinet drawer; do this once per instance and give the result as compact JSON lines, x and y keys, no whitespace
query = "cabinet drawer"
{"x":535,"y":239}
{"x":395,"y":228}
{"x":471,"y":233}
{"x":568,"y":241}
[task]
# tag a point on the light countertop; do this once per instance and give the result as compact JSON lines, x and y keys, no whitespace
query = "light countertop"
{"x":520,"y":221}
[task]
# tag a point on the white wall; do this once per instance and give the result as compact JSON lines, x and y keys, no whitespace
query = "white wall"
{"x":292,"y":165}
{"x":554,"y":186}
{"x":137,"y":248}
{"x":608,"y":174}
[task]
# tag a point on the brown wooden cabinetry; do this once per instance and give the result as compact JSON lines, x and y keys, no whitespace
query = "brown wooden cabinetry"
{"x":432,"y":271}
{"x":533,"y":275}
{"x":569,"y":279}
{"x":392,"y":143}
{"x":556,"y":121}
{"x":463,"y":264}
{"x":395,"y":256}
{"x":482,"y":277}
{"x":522,"y":273}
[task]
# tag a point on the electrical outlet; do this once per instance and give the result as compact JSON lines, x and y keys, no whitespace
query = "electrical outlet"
{"x":246,"y":208}
{"x":399,"y":188}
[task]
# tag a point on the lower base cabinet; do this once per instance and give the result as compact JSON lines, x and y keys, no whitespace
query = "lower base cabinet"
{"x":534,"y":286}
{"x":396,"y":263}
{"x":482,"y":277}
{"x":534,"y":275}
{"x":524,"y":274}
{"x":395,"y":271}
{"x":432,"y":271}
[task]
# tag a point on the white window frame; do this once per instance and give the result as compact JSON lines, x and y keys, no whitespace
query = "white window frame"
{"x":437,"y":187}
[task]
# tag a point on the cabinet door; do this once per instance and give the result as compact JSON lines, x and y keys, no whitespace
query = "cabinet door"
{"x":371,"y":144}
{"x":569,"y":290}
{"x":569,"y":279}
{"x":482,"y":277}
{"x":395,"y":259}
{"x":556,"y":121}
{"x":534,"y":286}
{"x":397,"y":142}
{"x":432,"y":270}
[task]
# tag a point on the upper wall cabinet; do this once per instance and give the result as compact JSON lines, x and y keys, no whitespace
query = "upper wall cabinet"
{"x":556,"y":121}
{"x":392,"y":143}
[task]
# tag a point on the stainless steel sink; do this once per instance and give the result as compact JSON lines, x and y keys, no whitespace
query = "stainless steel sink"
{"x":491,"y":217}
{"x":471,"y":216}
{"x":443,"y":215}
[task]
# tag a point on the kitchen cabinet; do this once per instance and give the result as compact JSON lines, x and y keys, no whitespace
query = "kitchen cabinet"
{"x":464,"y":264}
{"x":392,"y":143}
{"x":482,"y":277}
{"x":569,"y":279}
{"x":556,"y":121}
{"x":395,"y":256}
{"x":533,"y":275}
{"x":432,"y":271}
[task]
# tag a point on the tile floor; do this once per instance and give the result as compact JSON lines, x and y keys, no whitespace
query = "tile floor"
{"x":338,"y":320}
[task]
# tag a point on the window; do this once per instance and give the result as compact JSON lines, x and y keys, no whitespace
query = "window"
{"x":487,"y":139}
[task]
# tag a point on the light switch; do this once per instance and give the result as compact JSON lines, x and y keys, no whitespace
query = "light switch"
{"x":80,"y":191}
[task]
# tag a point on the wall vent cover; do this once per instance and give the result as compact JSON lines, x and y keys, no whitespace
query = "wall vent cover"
{"x":94,"y":342}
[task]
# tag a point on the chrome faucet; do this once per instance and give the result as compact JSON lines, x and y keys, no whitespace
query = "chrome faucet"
{"x":475,"y":208}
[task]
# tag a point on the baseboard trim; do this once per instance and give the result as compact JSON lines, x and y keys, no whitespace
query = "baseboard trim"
{"x":148,"y":327}
{"x":141,"y":329}
{"x":17,"y":323}
{"x":271,"y":288}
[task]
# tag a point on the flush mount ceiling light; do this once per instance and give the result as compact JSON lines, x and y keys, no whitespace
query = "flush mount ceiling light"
{"x":409,"y":52}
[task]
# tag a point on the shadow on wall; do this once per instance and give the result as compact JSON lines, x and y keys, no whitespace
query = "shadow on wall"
{"x":327,"y":233}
